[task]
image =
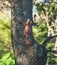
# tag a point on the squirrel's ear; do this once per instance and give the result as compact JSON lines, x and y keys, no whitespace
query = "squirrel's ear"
{"x":27,"y":22}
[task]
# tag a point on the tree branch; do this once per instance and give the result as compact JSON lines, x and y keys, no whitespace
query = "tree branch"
{"x":52,"y":51}
{"x":48,"y":39}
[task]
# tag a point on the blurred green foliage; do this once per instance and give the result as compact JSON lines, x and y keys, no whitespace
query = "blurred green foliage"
{"x":41,"y":30}
{"x":6,"y":52}
{"x":7,"y":59}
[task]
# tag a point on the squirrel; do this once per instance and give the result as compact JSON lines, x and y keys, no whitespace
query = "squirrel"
{"x":27,"y":28}
{"x":27,"y":31}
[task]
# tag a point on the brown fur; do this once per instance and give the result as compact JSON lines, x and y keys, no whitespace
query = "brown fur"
{"x":27,"y":30}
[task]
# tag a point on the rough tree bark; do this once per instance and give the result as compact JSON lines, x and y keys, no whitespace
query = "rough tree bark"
{"x":34,"y":54}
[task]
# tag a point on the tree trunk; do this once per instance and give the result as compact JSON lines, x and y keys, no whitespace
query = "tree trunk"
{"x":33,"y":54}
{"x":27,"y":9}
{"x":17,"y":29}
